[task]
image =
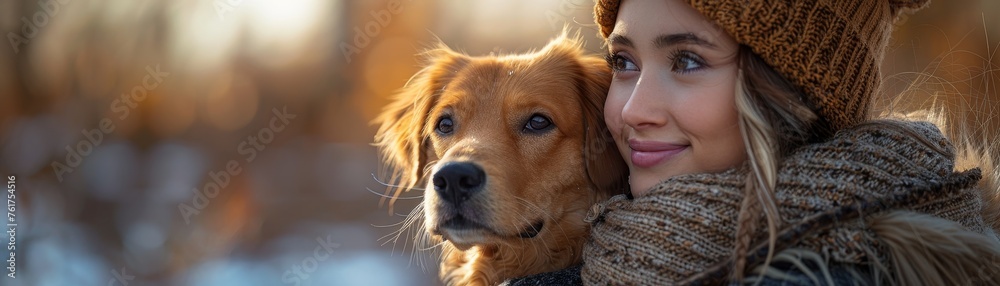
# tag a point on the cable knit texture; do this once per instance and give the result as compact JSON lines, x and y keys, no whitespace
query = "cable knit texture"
{"x":829,"y":49}
{"x":683,"y":231}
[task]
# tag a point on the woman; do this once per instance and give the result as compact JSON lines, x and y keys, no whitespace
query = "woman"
{"x":753,"y":158}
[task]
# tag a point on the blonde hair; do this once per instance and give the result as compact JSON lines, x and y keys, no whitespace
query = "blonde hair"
{"x":773,"y":119}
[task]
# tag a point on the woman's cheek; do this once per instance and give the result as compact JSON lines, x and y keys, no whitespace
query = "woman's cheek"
{"x":613,"y":106}
{"x":613,"y":113}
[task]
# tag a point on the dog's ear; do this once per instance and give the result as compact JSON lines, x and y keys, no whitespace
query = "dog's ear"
{"x":605,"y":166}
{"x":402,"y":137}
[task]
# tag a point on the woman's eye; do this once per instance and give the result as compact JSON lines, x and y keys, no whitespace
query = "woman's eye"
{"x":445,"y":125}
{"x":685,"y":61}
{"x":619,"y":63}
{"x":537,"y":123}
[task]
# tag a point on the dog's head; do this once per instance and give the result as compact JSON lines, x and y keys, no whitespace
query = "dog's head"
{"x":507,"y":148}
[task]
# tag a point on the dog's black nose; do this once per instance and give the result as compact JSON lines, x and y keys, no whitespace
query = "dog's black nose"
{"x":456,"y":182}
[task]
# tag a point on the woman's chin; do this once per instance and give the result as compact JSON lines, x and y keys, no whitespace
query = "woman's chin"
{"x":642,"y":180}
{"x":641,"y":185}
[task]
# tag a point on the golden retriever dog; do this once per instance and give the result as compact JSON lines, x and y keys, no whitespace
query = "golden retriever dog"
{"x":510,"y":151}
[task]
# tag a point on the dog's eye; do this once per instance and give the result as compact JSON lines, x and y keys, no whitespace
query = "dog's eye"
{"x":445,"y":126}
{"x":538,"y":123}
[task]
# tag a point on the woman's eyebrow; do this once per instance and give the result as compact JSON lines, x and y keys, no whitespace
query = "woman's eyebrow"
{"x":664,"y":40}
{"x":617,"y":39}
{"x":683,"y":38}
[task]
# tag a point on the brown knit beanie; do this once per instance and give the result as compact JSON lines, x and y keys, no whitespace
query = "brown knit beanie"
{"x":829,"y":49}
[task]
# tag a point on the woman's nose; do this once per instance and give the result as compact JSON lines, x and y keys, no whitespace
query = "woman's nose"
{"x":644,"y":108}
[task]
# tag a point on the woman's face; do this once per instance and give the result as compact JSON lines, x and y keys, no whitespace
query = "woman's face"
{"x":672,"y":104}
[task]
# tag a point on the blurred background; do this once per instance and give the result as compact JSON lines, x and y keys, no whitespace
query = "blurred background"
{"x":227,"y":142}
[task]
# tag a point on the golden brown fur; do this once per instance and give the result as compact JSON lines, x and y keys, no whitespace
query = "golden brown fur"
{"x":539,"y":185}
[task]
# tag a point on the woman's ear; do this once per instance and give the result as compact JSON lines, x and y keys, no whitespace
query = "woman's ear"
{"x":605,"y":166}
{"x":402,"y":137}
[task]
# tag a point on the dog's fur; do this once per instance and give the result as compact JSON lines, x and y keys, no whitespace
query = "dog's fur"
{"x":539,"y":186}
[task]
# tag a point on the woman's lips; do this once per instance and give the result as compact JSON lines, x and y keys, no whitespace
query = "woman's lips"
{"x":647,"y":154}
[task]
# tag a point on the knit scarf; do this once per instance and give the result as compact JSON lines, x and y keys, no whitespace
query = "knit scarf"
{"x":683,"y":231}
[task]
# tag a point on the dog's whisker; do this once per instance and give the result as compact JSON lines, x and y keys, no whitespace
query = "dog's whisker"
{"x":430,"y":166}
{"x":414,"y":254}
{"x":534,"y":246}
{"x":549,"y":217}
{"x":527,"y":221}
{"x":419,"y":243}
{"x":419,"y":239}
{"x":535,"y":207}
{"x":432,"y":247}
{"x":389,"y":197}
{"x":387,"y":225}
{"x":546,"y":214}
{"x":406,"y":223}
{"x":539,"y":209}
{"x":393,"y":233}
{"x":380,"y":182}
{"x":385,"y":184}
{"x":415,"y":215}
{"x":391,"y":237}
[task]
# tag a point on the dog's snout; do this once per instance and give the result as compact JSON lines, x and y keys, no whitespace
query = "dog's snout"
{"x":456,"y":182}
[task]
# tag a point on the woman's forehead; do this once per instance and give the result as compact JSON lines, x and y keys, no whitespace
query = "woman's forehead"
{"x":645,"y":22}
